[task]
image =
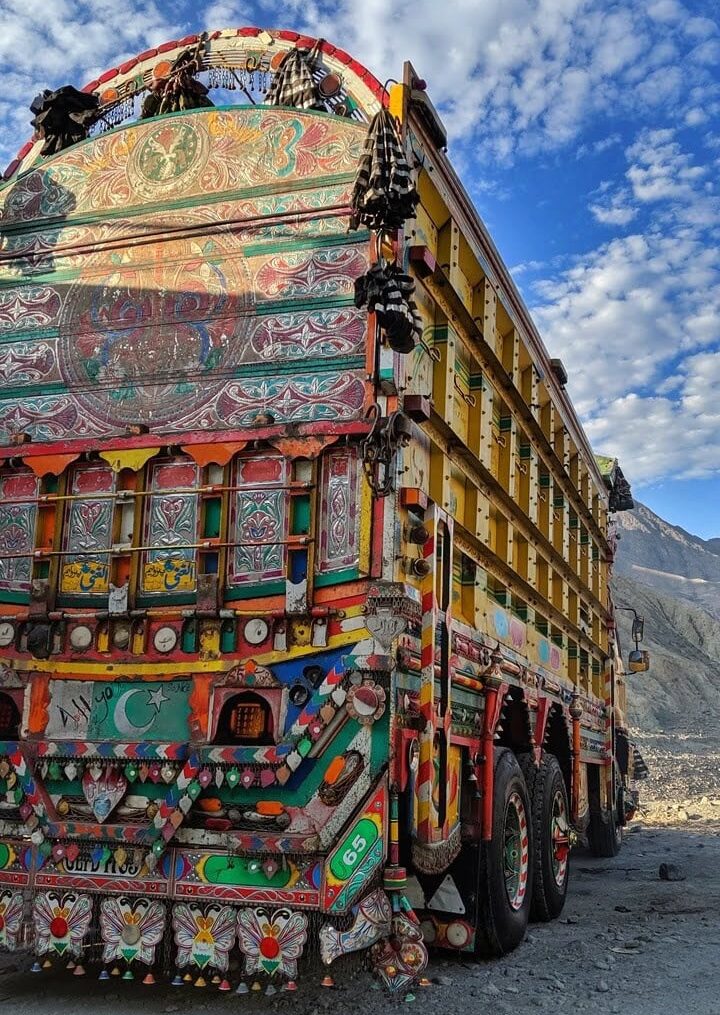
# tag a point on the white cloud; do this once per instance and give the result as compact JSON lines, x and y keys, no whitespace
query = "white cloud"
{"x":48,"y":43}
{"x":637,"y":320}
{"x":512,"y":76}
{"x":617,"y":210}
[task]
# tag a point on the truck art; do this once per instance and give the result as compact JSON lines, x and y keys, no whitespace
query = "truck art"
{"x":306,"y":645}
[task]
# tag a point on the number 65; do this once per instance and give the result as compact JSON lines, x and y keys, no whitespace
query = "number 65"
{"x":351,"y":854}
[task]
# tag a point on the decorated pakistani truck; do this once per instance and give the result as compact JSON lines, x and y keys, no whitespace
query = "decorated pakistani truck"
{"x":306,"y":644}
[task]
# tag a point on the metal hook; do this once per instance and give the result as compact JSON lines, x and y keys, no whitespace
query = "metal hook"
{"x":433,"y":353}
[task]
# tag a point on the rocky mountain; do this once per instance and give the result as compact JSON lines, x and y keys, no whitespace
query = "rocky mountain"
{"x":672,"y":578}
{"x":681,"y":690}
{"x":669,"y":559}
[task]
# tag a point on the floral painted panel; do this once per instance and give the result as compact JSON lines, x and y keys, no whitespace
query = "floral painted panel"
{"x":118,"y":307}
{"x":194,"y":154}
{"x":259,"y":520}
{"x":339,"y":510}
{"x":171,"y":528}
{"x":18,"y":520}
{"x":88,"y":530}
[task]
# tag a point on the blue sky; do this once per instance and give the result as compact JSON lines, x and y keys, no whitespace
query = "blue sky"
{"x":588,"y":134}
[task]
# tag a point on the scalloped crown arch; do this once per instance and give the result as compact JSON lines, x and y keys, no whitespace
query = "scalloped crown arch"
{"x":237,"y":52}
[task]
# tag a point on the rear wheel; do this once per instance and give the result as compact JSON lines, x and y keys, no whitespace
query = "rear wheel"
{"x":505,"y":863}
{"x":605,"y":829}
{"x":551,"y":834}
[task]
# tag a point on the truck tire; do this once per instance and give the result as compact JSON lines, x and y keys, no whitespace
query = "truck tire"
{"x":504,"y":870}
{"x":604,"y":832}
{"x":551,"y":827}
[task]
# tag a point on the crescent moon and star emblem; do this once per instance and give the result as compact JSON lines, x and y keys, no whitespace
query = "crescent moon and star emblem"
{"x":134,"y":715}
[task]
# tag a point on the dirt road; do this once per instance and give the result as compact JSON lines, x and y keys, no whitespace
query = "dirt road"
{"x":627,"y":942}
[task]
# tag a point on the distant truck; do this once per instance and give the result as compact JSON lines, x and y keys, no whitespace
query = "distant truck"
{"x":306,"y":641}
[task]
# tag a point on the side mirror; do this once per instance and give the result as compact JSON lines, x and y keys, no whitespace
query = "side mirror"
{"x":639,"y":661}
{"x":638,"y":626}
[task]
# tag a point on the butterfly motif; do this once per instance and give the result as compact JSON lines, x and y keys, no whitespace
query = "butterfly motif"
{"x":131,"y":929}
{"x":272,"y":944}
{"x":203,"y":937}
{"x":61,"y":922}
{"x":11,"y":911}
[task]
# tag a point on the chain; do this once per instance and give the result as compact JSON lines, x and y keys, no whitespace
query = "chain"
{"x":380,"y":447}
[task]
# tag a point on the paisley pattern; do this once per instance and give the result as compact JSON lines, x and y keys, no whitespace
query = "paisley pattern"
{"x":339,"y":510}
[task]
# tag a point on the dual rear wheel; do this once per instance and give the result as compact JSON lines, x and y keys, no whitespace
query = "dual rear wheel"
{"x":523,"y":871}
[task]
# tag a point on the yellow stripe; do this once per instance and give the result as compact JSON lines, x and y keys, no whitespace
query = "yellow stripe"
{"x":179,"y":668}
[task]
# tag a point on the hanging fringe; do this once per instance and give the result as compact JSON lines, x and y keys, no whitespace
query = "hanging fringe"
{"x":63,"y":117}
{"x":293,"y":83}
{"x":384,"y":194}
{"x":179,"y":90}
{"x":389,"y":293}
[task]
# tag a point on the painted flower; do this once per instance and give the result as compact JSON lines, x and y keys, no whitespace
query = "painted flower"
{"x":11,"y":911}
{"x":203,"y":936}
{"x":131,"y":929}
{"x":61,"y":922}
{"x":272,"y":944}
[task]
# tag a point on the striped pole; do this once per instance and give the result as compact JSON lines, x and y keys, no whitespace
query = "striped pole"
{"x":425,"y":773}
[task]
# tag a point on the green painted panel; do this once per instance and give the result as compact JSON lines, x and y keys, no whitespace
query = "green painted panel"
{"x":234,"y":870}
{"x":301,"y":515}
{"x":354,"y":848}
{"x":130,"y":710}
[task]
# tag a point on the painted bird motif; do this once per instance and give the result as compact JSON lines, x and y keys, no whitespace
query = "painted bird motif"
{"x":372,"y":922}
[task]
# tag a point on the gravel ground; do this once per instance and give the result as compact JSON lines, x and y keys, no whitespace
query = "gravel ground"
{"x":627,"y":942}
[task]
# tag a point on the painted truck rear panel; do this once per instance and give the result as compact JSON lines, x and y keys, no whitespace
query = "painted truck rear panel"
{"x":243,"y":689}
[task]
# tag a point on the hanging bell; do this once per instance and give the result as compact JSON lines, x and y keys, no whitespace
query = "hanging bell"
{"x":71,"y":770}
{"x":232,"y":778}
{"x":167,"y":773}
{"x":219,"y":777}
{"x":205,"y":778}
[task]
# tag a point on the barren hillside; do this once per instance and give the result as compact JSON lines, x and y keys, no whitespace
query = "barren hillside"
{"x":673,"y":579}
{"x":669,"y":559}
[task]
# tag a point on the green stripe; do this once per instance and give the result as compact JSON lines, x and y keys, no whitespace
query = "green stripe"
{"x":274,"y":245}
{"x":346,"y":575}
{"x":281,"y":368}
{"x":197,"y":200}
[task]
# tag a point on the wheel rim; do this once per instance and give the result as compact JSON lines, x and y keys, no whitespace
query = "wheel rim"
{"x":516,"y":851}
{"x":560,"y":839}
